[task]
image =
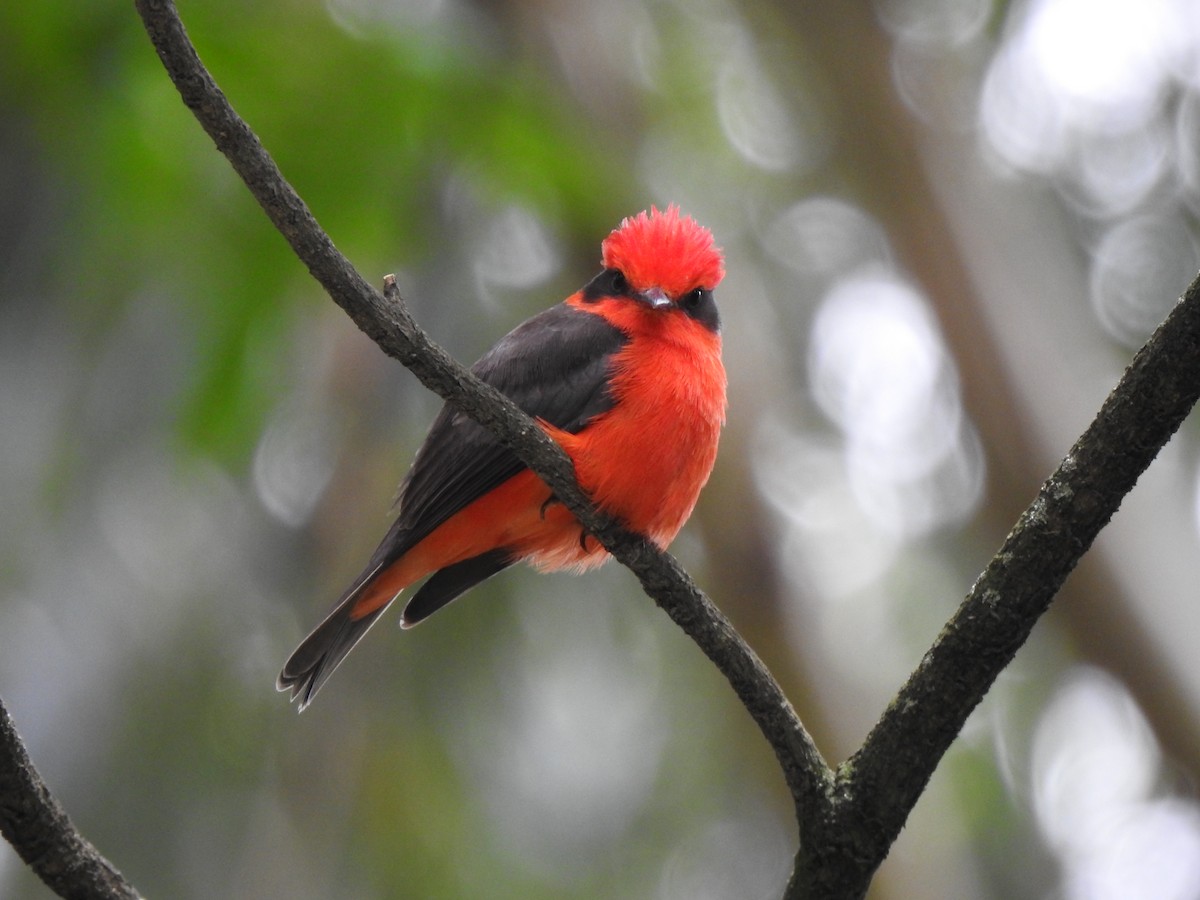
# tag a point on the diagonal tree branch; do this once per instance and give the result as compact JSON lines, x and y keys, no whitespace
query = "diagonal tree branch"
{"x":880,"y":784}
{"x":42,"y":833}
{"x":386,"y":320}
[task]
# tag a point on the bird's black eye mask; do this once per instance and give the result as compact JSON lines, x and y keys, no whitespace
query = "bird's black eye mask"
{"x":609,"y":283}
{"x":698,"y":304}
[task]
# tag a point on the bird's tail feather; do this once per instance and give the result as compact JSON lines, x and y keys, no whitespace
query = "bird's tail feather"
{"x":311,"y":664}
{"x":452,"y":581}
{"x":319,"y":654}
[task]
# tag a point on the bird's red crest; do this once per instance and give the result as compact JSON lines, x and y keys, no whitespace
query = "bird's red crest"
{"x":666,"y":250}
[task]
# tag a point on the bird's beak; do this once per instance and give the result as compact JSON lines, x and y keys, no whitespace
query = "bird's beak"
{"x":655,"y":298}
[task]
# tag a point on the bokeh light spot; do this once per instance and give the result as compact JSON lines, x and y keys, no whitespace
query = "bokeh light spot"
{"x":1139,"y":268}
{"x":754,"y":117}
{"x":825,"y":236}
{"x":878,"y":369}
{"x":1096,"y":766}
{"x":948,"y":23}
{"x":294,"y":461}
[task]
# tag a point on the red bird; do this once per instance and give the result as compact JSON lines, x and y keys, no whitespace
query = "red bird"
{"x":625,"y":374}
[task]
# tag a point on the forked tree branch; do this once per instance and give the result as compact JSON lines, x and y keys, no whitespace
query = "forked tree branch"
{"x":850,"y":819}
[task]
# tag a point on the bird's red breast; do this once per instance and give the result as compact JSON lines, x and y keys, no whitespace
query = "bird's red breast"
{"x":647,"y":458}
{"x":625,"y":375}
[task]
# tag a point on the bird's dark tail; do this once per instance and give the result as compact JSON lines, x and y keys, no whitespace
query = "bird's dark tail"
{"x":452,"y":581}
{"x":311,"y":664}
{"x":320,"y":653}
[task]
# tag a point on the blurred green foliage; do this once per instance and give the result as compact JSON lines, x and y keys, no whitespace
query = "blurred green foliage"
{"x":365,"y":126}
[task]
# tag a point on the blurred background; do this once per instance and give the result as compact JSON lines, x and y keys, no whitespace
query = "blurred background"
{"x":948,"y":224}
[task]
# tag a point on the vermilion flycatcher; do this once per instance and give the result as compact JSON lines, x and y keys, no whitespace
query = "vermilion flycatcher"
{"x":625,"y":374}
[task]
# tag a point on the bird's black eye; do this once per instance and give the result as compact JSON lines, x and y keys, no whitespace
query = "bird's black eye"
{"x":609,"y":283}
{"x":700,"y":305}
